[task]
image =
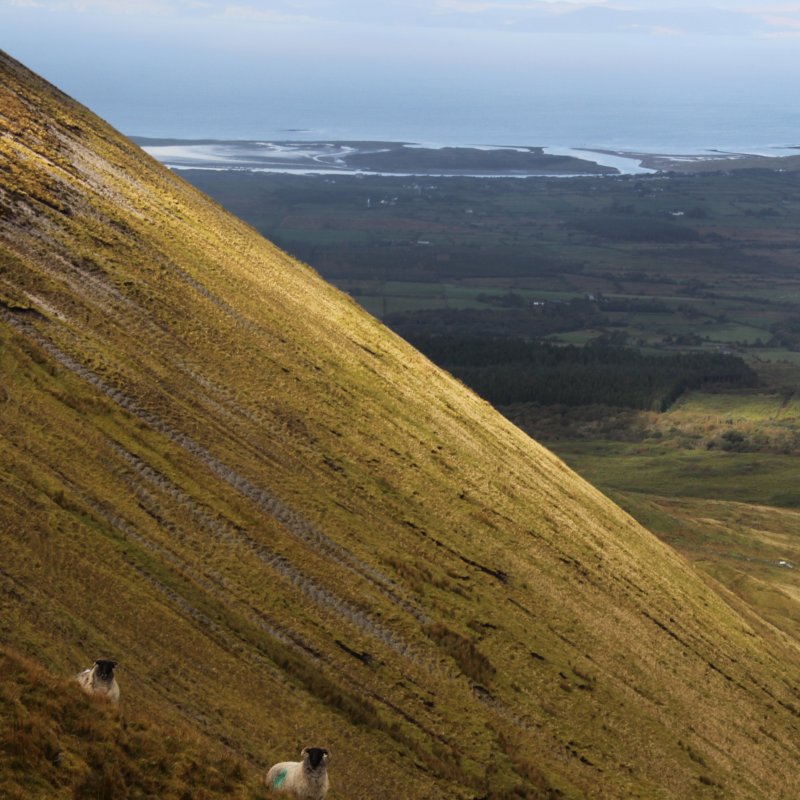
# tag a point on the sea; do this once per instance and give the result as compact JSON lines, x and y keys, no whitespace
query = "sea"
{"x":657,"y":94}
{"x":602,"y":126}
{"x":682,"y":122}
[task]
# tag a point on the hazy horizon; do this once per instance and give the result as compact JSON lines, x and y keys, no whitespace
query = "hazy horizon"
{"x":626,"y":74}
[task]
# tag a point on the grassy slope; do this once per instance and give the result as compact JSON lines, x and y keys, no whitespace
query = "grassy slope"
{"x":55,"y":742}
{"x":291,"y":528}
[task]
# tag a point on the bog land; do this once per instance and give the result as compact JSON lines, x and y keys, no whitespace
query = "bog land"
{"x":646,"y":328}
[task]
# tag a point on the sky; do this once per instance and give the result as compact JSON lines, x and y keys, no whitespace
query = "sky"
{"x":151,"y":66}
{"x":758,"y":18}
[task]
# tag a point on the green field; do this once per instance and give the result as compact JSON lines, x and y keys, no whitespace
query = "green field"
{"x":766,"y":479}
{"x":388,"y":297}
{"x":753,"y":550}
{"x":667,"y":261}
{"x":752,"y":406}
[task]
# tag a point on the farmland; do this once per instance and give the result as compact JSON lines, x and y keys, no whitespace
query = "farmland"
{"x":656,"y":262}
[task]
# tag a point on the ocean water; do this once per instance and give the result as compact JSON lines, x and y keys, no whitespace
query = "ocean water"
{"x":656,"y":93}
{"x":665,"y":102}
{"x":680,"y":122}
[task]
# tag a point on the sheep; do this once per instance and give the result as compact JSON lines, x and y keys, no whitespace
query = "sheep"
{"x":306,"y":779}
{"x":99,"y":679}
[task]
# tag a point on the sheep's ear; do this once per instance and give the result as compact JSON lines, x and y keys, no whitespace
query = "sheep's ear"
{"x":303,"y":752}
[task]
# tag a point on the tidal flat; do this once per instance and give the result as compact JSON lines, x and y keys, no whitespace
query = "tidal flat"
{"x":371,"y":158}
{"x":376,"y":158}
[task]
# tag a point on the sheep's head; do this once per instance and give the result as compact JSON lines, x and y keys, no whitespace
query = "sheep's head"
{"x":104,"y":668}
{"x":315,"y":756}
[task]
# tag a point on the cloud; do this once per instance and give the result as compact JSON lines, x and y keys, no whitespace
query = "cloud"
{"x":121,"y":6}
{"x":646,"y":18}
{"x":633,"y":18}
{"x":84,"y":6}
{"x":790,"y":23}
{"x":543,"y":6}
{"x":769,"y":8}
{"x":657,"y":30}
{"x":777,"y":21}
{"x":127,"y":7}
{"x":255,"y":14}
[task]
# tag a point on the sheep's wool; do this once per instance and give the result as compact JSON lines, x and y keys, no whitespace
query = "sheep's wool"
{"x":304,"y":780}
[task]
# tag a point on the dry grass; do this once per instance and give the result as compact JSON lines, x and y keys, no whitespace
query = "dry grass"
{"x":290,"y":528}
{"x":56,"y":742}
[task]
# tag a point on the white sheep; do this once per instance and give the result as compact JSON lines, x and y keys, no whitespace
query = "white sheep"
{"x":306,"y":779}
{"x":99,"y":679}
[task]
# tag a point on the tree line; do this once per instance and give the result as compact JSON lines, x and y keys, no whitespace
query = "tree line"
{"x":513,"y":370}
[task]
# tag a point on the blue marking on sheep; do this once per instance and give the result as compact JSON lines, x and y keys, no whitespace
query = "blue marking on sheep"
{"x":280,"y":778}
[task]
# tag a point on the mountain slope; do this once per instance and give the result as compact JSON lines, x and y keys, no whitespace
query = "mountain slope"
{"x":290,"y":528}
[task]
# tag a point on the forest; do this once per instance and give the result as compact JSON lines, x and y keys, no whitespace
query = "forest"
{"x":512,"y":370}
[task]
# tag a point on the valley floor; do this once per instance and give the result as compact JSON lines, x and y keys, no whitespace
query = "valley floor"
{"x":715,"y":477}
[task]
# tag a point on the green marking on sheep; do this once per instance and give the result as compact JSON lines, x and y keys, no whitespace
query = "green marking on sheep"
{"x":280,"y":778}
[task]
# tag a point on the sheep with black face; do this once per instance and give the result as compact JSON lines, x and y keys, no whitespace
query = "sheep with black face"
{"x":99,"y":679}
{"x":306,"y":779}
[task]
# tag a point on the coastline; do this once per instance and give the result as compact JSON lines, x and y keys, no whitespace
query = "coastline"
{"x":372,"y":158}
{"x":788,"y":159}
{"x":408,"y":159}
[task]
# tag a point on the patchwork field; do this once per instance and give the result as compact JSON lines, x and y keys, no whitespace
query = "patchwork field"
{"x":665,"y":261}
{"x":751,"y":549}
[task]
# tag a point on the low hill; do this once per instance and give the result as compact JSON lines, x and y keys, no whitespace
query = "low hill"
{"x":292,"y":529}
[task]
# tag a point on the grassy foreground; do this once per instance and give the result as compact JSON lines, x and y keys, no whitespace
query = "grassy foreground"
{"x":292,"y":529}
{"x":56,"y":742}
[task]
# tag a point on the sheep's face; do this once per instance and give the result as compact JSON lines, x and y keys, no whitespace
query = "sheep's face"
{"x":104,"y":668}
{"x":315,"y":756}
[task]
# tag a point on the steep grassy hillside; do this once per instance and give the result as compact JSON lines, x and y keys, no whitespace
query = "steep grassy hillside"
{"x":290,"y":528}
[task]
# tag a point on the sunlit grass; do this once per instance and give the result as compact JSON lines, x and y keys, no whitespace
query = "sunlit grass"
{"x":291,"y":529}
